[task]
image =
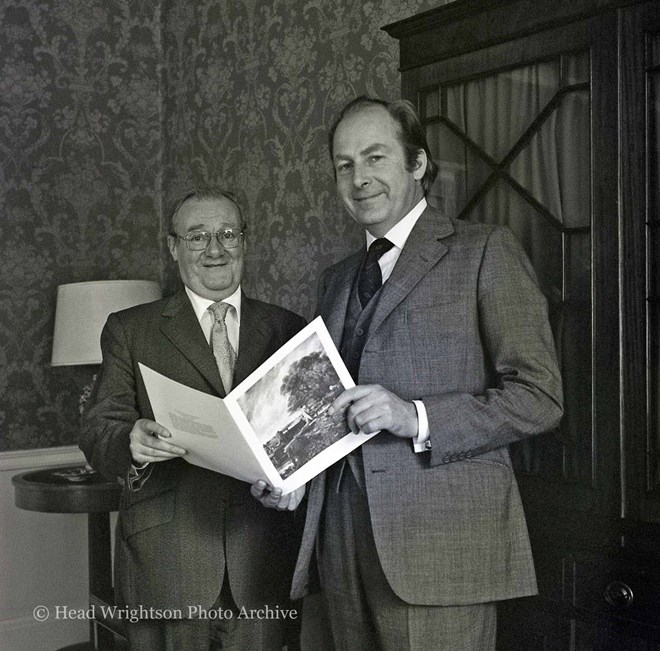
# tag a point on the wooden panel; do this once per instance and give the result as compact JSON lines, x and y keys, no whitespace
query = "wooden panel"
{"x":619,"y":590}
{"x":540,"y":47}
{"x":469,"y":25}
{"x":608,"y":635}
{"x":641,"y":498}
{"x":606,"y":361}
{"x":523,"y":626}
{"x":649,"y":39}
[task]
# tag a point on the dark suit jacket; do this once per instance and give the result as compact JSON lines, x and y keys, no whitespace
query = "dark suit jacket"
{"x":462,"y":325}
{"x":178,"y":533}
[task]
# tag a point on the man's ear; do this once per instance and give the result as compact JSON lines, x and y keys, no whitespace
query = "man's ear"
{"x":420,"y":165}
{"x":171,"y":244}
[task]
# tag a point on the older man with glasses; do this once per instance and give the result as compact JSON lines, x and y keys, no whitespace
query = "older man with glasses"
{"x":195,"y":555}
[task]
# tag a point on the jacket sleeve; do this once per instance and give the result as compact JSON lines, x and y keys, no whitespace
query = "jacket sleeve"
{"x":525,"y":392}
{"x":112,"y":410}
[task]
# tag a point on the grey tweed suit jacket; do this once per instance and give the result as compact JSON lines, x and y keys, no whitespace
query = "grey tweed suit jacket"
{"x":186,"y":526}
{"x":462,"y":325}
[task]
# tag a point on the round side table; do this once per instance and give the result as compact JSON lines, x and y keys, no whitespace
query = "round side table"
{"x":74,"y":489}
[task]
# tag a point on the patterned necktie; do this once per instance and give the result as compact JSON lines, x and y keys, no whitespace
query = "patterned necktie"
{"x":225,"y":355}
{"x":371,"y":278}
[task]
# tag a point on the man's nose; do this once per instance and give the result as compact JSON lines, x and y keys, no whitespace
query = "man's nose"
{"x":214,"y":249}
{"x":360,"y":176}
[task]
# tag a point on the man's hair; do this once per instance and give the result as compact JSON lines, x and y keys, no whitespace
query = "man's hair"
{"x":203,"y":194}
{"x":411,"y":132}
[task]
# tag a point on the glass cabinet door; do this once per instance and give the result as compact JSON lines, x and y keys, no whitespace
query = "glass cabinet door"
{"x":514,"y":148}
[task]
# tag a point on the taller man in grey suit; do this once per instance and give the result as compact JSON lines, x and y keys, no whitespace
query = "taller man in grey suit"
{"x":192,"y":546}
{"x":422,"y":531}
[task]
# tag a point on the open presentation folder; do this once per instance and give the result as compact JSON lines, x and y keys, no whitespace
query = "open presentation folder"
{"x":274,"y":425}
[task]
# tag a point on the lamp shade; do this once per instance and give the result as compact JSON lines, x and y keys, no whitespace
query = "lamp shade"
{"x":81,"y":313}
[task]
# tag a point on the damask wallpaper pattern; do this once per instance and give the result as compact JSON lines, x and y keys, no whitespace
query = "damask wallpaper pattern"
{"x":254,"y":86}
{"x":80,"y":178}
{"x":110,"y":108}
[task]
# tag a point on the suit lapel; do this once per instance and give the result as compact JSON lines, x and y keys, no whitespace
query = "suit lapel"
{"x":421,"y":252}
{"x":255,"y":333}
{"x":336,"y":296}
{"x":181,"y":327}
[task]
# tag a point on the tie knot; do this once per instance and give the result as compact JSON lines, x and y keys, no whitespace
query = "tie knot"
{"x":219,"y":310}
{"x":379,"y":247}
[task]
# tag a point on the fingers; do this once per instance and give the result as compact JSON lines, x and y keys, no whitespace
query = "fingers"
{"x":350,"y":395}
{"x":371,"y":408}
{"x":258,"y":489}
{"x":268,"y":496}
{"x":366,"y":418}
{"x":365,"y":407}
{"x":147,"y":445}
{"x":152,"y":455}
{"x":153,"y":428}
{"x":272,"y":498}
{"x":291,"y":501}
{"x":296,"y":497}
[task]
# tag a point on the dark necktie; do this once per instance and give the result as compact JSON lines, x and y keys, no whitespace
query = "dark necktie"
{"x":371,"y":278}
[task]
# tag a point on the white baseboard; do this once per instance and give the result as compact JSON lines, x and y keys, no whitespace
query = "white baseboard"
{"x":40,"y":458}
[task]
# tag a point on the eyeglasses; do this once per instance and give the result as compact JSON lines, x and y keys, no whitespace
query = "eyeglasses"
{"x":199,"y":240}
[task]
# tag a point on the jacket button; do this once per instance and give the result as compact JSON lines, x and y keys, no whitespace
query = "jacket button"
{"x":427,"y":444}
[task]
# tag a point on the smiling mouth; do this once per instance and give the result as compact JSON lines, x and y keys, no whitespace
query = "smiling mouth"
{"x":361,"y":199}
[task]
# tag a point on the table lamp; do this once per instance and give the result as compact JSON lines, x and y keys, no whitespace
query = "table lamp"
{"x":81,"y":313}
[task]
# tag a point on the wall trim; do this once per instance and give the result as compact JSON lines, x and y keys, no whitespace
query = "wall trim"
{"x":40,"y":458}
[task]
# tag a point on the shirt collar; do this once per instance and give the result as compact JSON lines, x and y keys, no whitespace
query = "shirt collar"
{"x":399,"y":233}
{"x":200,"y":304}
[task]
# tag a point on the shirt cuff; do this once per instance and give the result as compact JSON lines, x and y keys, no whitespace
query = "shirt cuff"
{"x":138,"y":475}
{"x":422,"y":442}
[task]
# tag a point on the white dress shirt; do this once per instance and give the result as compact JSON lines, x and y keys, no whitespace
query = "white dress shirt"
{"x":232,"y":319}
{"x":398,"y":235}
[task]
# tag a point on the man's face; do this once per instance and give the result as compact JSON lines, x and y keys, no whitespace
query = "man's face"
{"x":370,"y":167}
{"x":216,"y":272}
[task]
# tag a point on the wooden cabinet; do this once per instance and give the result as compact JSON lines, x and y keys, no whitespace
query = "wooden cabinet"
{"x":545,"y":116}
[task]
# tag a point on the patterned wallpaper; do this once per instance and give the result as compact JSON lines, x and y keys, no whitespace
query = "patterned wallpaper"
{"x":80,"y":112}
{"x":252,"y":88}
{"x":109,"y":108}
